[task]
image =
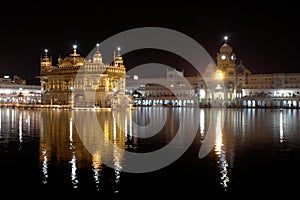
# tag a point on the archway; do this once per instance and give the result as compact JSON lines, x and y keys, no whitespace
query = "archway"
{"x":79,"y":101}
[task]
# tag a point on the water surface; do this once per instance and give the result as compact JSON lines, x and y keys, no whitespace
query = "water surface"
{"x":254,"y":150}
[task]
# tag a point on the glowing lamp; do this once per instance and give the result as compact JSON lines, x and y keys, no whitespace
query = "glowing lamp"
{"x":219,"y":75}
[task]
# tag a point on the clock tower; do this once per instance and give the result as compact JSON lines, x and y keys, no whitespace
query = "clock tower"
{"x":226,"y":59}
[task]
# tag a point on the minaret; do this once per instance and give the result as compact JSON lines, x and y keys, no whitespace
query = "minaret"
{"x":59,"y":59}
{"x":97,"y":58}
{"x":45,"y":61}
{"x":75,"y":55}
{"x":74,"y":49}
{"x":118,"y":60}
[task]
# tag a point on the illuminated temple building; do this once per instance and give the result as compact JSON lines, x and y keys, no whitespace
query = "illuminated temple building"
{"x":81,"y":82}
{"x":239,"y":88}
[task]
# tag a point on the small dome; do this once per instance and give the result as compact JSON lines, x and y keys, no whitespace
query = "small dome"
{"x":119,"y":58}
{"x":240,"y":68}
{"x":225,"y":48}
{"x":210,"y":69}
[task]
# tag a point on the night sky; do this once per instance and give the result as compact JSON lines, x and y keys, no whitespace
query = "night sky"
{"x":264,"y":37}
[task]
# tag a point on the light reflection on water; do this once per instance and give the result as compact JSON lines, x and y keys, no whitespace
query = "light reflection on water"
{"x":220,"y":150}
{"x":249,"y":137}
{"x":73,"y":171}
{"x":97,"y":168}
{"x":20,"y":130}
{"x":282,"y":127}
{"x":202,"y":123}
{"x":45,"y":166}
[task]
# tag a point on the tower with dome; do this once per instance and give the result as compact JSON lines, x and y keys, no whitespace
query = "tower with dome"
{"x":228,"y":83}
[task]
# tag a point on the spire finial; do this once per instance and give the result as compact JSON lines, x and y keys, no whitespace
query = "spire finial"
{"x":46,"y":52}
{"x":119,"y":51}
{"x":225,"y":38}
{"x":74,"y":47}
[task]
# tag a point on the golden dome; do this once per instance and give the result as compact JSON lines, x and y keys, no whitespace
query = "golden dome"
{"x":74,"y":59}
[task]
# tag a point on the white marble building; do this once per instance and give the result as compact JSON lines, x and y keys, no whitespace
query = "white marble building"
{"x":231,"y":84}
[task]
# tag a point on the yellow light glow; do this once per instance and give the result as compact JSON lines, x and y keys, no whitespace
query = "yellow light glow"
{"x":219,"y":75}
{"x":96,"y":160}
{"x":219,"y":135}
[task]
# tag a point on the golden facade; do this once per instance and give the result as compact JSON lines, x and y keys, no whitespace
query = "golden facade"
{"x":80,"y":82}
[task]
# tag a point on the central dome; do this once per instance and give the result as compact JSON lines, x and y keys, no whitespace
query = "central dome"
{"x":72,"y":60}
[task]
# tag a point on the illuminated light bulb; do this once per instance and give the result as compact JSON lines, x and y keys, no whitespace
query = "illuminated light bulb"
{"x":219,"y":75}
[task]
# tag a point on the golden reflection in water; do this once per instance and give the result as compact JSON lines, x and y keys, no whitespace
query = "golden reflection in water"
{"x":43,"y":154}
{"x":60,"y":139}
{"x":60,"y":145}
{"x":74,"y":178}
{"x":120,"y":120}
{"x":220,"y":151}
{"x":97,"y":168}
{"x":71,"y":132}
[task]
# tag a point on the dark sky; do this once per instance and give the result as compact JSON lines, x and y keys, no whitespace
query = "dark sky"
{"x":263,"y":36}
